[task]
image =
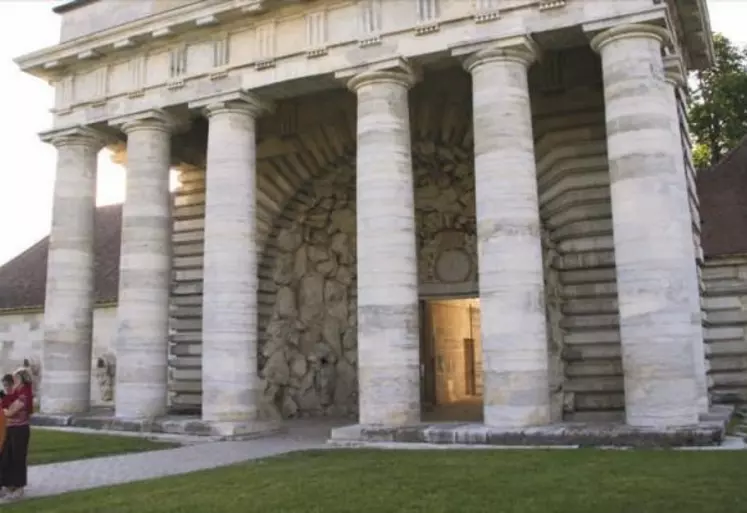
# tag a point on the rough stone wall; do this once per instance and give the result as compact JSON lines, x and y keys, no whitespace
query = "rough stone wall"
{"x":725,"y":303}
{"x":309,"y":349}
{"x":570,"y":145}
{"x":22,"y":335}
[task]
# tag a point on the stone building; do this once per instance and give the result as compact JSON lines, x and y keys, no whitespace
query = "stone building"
{"x":388,"y":210}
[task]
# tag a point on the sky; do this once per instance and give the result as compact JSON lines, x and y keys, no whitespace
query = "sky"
{"x":28,"y":165}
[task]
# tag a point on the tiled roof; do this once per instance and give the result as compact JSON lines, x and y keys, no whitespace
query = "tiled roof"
{"x":722,"y":191}
{"x":23,"y":279}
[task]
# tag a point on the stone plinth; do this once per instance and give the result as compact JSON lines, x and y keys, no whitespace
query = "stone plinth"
{"x":104,"y":419}
{"x":710,"y":431}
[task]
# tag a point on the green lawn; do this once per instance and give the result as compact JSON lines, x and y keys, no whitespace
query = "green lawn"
{"x":48,"y":446}
{"x":561,"y":481}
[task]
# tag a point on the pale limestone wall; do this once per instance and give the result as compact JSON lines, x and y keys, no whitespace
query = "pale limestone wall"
{"x":575,"y":208}
{"x":725,"y":304}
{"x":106,"y":14}
{"x":21,"y":337}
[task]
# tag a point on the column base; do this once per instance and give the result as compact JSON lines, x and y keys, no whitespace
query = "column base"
{"x":104,"y":419}
{"x":710,"y":431}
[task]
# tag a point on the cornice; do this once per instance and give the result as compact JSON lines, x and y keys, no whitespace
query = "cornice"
{"x":48,"y":62}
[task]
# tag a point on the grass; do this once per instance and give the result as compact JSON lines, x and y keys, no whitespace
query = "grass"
{"x":49,"y":446}
{"x":520,"y":481}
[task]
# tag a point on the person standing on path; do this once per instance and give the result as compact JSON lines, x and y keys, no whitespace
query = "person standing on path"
{"x":17,"y":408}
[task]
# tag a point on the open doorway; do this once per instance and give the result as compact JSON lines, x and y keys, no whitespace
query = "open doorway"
{"x":451,"y":359}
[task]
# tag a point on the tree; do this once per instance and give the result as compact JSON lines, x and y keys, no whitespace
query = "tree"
{"x":717,"y":103}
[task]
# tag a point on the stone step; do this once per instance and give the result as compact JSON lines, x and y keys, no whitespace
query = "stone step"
{"x":717,"y":348}
{"x":596,"y":402}
{"x":590,"y":306}
{"x":183,"y":200}
{"x":181,"y":387}
{"x":596,"y":416}
{"x":724,"y":333}
{"x":728,"y":317}
{"x":580,"y":369}
{"x":729,"y":379}
{"x":186,"y":325}
{"x":592,"y":351}
{"x":187,"y":312}
{"x":187,"y":262}
{"x":728,"y":364}
{"x":589,"y":322}
{"x":187,"y":337}
{"x":588,"y":276}
{"x":590,"y":290}
{"x":610,"y":336}
{"x":189,"y":249}
{"x":186,"y":300}
{"x":188,"y":237}
{"x":186,"y":362}
{"x":180,"y":374}
{"x":187,"y":399}
{"x":592,"y":244}
{"x":595,"y":384}
{"x":187,"y":289}
{"x":585,"y":261}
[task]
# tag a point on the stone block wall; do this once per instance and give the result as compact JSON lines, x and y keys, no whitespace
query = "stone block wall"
{"x":185,"y":348}
{"x":575,"y":207}
{"x":725,"y":303}
{"x":22,"y":335}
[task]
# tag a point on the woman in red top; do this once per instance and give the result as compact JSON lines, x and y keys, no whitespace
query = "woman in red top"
{"x":17,"y":407}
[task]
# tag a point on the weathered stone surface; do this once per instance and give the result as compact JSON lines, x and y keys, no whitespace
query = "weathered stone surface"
{"x":68,"y":319}
{"x":145,"y":271}
{"x":304,"y":337}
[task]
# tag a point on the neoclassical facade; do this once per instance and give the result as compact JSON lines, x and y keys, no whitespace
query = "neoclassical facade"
{"x":343,"y":163}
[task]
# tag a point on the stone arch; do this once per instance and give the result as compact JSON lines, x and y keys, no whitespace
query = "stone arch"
{"x":307,"y":320}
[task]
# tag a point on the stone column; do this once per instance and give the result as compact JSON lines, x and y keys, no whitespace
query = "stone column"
{"x":145,"y":269}
{"x":677,"y":79}
{"x":512,"y":291}
{"x":388,"y":334}
{"x":68,"y":309}
{"x":230,"y":381}
{"x":652,"y":230}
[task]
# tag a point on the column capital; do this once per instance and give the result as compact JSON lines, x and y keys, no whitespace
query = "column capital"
{"x":674,"y":70}
{"x":234,"y":101}
{"x":521,"y":49}
{"x":629,"y":30}
{"x":397,"y":70}
{"x":77,"y":135}
{"x":153,"y":119}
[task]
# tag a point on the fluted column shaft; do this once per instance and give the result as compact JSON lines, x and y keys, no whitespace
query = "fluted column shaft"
{"x":230,"y":383}
{"x":388,"y":334}
{"x":68,"y":310}
{"x":652,"y":230}
{"x":512,"y":292}
{"x":145,"y":271}
{"x":675,"y":76}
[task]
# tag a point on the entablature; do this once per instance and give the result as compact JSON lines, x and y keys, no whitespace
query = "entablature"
{"x":300,"y":46}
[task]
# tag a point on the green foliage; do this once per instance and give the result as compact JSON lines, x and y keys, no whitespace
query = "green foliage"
{"x":718,"y":103}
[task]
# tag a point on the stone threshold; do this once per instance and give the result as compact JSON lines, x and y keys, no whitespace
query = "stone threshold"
{"x":709,"y":432}
{"x":170,"y":424}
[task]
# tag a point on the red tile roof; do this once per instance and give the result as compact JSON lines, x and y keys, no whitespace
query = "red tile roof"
{"x":23,"y":279}
{"x":722,"y":191}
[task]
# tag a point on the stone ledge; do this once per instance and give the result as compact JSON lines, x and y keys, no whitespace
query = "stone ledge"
{"x":709,"y":432}
{"x":175,"y":425}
